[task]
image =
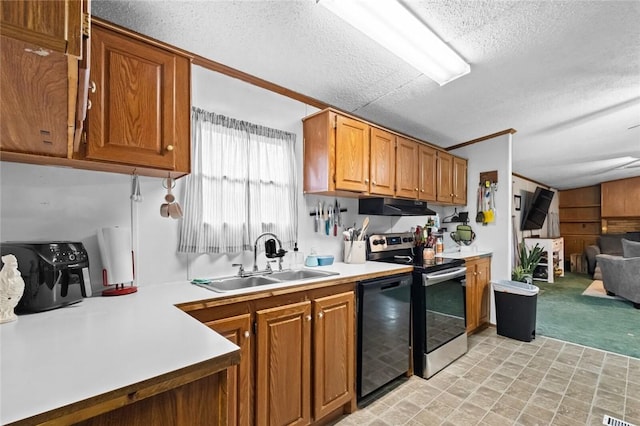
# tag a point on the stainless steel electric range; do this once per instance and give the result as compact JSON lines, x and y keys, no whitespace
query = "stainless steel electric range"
{"x":437,"y":301}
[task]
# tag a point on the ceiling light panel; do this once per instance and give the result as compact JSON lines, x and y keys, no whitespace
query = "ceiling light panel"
{"x":391,"y":25}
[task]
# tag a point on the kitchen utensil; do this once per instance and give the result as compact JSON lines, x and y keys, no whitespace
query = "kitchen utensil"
{"x":365,"y":225}
{"x":316,"y":220}
{"x":336,"y":214}
{"x":171,"y":208}
{"x":480,"y":214}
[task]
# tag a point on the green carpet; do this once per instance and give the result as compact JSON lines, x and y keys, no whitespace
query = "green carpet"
{"x":563,"y":313}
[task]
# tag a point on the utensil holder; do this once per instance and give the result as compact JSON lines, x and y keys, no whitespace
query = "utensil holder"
{"x":355,"y":252}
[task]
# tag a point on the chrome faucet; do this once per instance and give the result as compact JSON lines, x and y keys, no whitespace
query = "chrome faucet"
{"x":281,"y":252}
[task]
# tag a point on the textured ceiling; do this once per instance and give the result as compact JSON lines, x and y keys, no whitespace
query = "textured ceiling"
{"x":565,"y":75}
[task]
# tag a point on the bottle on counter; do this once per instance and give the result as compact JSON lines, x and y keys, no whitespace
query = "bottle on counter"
{"x":439,"y":246}
{"x":297,"y":259}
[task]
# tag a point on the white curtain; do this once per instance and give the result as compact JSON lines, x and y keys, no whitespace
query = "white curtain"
{"x":242,"y":183}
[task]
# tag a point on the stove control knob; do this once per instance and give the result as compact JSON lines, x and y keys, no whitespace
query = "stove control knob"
{"x":380,"y":241}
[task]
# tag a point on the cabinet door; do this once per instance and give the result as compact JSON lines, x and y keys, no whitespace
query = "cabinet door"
{"x":427,"y":178}
{"x":445,"y":177}
{"x":283,"y":365}
{"x":459,"y":181}
{"x":34,"y":107}
{"x":483,"y":268}
{"x":138,"y":112}
{"x":54,"y":25}
{"x":333,"y":352}
{"x":471,"y":308}
{"x":237,"y":330}
{"x":620,"y":198}
{"x":383,"y":162}
{"x":352,"y":155}
{"x":407,"y":169}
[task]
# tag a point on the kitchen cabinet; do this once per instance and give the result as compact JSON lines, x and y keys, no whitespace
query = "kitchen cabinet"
{"x":382,"y":168}
{"x":451,"y":179}
{"x":41,"y":44}
{"x":428,"y":163}
{"x":55,"y":25}
{"x":333,"y":352}
{"x":477,"y":292}
{"x":283,"y":365}
{"x":237,"y":330}
{"x":304,"y":353}
{"x":620,"y":198}
{"x":140,"y":114}
{"x":407,"y":170}
{"x":336,"y":154}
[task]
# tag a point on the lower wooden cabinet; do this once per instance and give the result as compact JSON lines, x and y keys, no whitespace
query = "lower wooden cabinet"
{"x":283,"y":365}
{"x":477,"y":292}
{"x":238,"y":330}
{"x":301,"y":368}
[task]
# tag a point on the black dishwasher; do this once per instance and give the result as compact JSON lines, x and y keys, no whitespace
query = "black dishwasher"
{"x":384,"y":320}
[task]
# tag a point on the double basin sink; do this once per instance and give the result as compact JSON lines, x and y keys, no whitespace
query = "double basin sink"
{"x":236,"y":282}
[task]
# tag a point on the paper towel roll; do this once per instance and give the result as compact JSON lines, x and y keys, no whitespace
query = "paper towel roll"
{"x":115,"y":250}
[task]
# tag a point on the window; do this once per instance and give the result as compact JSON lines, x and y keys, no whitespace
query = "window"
{"x":243,"y":183}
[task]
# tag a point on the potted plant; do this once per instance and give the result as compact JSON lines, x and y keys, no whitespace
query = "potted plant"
{"x":529,"y":259}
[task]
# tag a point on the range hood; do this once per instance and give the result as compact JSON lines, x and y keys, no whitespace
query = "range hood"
{"x":393,"y":207}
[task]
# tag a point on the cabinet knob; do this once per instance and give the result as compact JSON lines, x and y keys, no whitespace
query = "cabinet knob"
{"x":320,"y":314}
{"x":416,"y":189}
{"x":366,"y":181}
{"x":475,"y":273}
{"x":246,"y":334}
{"x":422,"y":190}
{"x":308,"y":317}
{"x":373,"y":182}
{"x":89,"y":104}
{"x":92,"y":86}
{"x":169,"y":148}
{"x":451,"y":195}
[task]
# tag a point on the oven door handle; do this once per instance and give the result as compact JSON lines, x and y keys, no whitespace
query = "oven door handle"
{"x":438,"y":277}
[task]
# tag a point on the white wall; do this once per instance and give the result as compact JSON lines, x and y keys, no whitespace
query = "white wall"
{"x":492,"y":154}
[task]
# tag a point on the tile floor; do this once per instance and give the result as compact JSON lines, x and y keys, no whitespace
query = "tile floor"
{"x":502,"y":381}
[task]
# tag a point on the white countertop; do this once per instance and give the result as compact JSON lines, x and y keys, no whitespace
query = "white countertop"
{"x":59,"y":357}
{"x":464,"y":254}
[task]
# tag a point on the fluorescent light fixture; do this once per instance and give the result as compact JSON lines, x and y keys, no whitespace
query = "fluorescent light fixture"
{"x":398,"y":30}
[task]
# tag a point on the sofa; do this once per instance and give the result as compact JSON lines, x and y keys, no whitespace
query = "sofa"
{"x":610,"y":244}
{"x":621,"y":274}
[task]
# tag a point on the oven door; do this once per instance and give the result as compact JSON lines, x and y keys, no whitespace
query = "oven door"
{"x":439,"y":336}
{"x":444,"y":293}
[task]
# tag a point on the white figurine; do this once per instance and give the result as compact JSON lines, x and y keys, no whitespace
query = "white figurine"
{"x":11,"y":288}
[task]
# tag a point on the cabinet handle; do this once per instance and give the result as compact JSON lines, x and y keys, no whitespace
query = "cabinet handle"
{"x":475,"y":273}
{"x":169,"y":148}
{"x":422,"y":190}
{"x":92,"y":86}
{"x":320,"y":314}
{"x":416,"y":189}
{"x":246,"y":334}
{"x":89,"y":104}
{"x":366,"y":181}
{"x":308,"y":317}
{"x":450,"y":195}
{"x":373,"y":182}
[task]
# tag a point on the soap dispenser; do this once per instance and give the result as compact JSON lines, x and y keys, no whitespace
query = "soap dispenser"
{"x":297,"y":259}
{"x":312,"y":259}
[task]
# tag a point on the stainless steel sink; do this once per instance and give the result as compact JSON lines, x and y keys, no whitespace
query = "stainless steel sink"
{"x":302,"y":274}
{"x":235,"y":283}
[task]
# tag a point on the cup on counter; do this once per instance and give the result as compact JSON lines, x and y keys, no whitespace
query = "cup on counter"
{"x":355,"y":251}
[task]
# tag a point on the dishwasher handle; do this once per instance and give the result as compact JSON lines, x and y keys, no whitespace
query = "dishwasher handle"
{"x":387,"y":283}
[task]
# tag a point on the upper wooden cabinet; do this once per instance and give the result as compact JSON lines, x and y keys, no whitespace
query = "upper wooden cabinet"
{"x":336,"y":154}
{"x":48,"y":24}
{"x":428,"y":160}
{"x":459,"y":181}
{"x":140,"y":110}
{"x":349,"y":157}
{"x":451,"y":179}
{"x":620,"y":198}
{"x":407,"y":169}
{"x":382,"y":167}
{"x":35,"y":99}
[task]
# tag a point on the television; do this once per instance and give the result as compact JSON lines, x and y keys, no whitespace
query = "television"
{"x":536,"y":209}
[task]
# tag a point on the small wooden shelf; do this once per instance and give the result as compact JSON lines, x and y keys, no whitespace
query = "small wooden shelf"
{"x":554,"y":249}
